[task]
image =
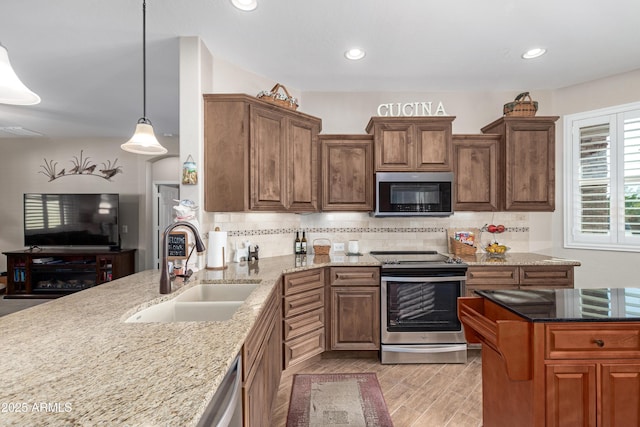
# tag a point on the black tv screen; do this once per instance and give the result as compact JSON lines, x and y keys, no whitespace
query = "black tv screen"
{"x":71,"y":219}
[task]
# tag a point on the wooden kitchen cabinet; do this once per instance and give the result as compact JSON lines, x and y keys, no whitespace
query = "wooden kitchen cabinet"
{"x":262,"y":369}
{"x":355,"y":308}
{"x":554,"y":374}
{"x":527,"y":165}
{"x":258,"y":156}
{"x":412,"y":143}
{"x":303,"y":315}
{"x":482,"y":277}
{"x":347,"y":172}
{"x":476,"y":167}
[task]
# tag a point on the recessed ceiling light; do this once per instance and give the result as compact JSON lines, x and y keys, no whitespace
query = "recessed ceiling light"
{"x":354,"y":54}
{"x":534,"y":53}
{"x":246,"y":5}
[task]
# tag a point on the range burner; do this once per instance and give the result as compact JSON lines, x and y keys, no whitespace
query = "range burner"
{"x":413,"y":258}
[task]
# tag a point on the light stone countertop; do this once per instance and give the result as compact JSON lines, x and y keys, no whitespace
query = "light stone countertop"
{"x":73,"y":360}
{"x":516,"y":258}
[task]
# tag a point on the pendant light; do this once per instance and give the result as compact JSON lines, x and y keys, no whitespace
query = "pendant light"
{"x":12,"y":90}
{"x":144,"y":140}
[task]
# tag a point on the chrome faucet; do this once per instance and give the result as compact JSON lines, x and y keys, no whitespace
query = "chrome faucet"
{"x":165,"y":279}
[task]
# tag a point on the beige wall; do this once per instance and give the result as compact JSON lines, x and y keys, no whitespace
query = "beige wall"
{"x":21,"y":163}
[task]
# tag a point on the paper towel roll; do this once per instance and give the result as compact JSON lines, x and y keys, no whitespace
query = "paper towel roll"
{"x":217,"y":250}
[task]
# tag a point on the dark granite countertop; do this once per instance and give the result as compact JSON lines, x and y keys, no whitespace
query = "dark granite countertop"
{"x":570,"y":305}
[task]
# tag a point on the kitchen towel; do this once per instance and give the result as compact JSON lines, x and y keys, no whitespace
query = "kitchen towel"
{"x":217,"y":250}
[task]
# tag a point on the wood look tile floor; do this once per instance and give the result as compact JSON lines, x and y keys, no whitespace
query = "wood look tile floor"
{"x":427,"y":395}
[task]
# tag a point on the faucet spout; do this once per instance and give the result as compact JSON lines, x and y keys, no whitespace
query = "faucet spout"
{"x":165,"y":280}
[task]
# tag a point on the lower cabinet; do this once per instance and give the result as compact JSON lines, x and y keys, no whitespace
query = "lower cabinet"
{"x":518,"y":277}
{"x":355,"y":308}
{"x":303,"y":316}
{"x":262,"y":355}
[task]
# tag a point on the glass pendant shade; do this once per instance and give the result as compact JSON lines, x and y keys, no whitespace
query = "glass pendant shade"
{"x":144,"y":140}
{"x":12,"y":90}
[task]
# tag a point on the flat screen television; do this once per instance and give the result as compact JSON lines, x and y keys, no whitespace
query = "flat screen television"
{"x":71,"y":219}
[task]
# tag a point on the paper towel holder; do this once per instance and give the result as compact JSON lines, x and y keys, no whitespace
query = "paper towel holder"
{"x":224,"y":258}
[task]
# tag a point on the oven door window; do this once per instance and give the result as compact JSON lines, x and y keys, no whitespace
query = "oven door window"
{"x":422,"y":306}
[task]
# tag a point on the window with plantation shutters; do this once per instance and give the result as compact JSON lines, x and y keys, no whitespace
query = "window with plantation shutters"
{"x":602,"y":180}
{"x":603,"y":303}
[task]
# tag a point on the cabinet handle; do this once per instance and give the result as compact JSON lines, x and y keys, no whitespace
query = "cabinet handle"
{"x":599,"y":343}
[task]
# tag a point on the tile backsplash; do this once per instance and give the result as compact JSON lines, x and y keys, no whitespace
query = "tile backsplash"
{"x":274,"y":233}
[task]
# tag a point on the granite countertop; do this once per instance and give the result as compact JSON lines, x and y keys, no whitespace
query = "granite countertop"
{"x":569,"y":305}
{"x":74,"y":361}
{"x":516,"y":258}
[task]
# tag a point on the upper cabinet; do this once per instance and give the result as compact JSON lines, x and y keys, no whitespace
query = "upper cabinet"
{"x":527,"y":162}
{"x":258,"y":156}
{"x":476,"y":165}
{"x":347,"y":172}
{"x":412,"y":143}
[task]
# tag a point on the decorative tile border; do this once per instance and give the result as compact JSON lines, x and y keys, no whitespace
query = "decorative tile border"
{"x":290,"y":230}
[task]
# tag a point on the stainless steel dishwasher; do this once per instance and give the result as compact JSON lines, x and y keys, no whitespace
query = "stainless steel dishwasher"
{"x":225,"y":408}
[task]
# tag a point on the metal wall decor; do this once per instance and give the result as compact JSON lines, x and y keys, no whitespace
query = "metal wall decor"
{"x":81,"y":166}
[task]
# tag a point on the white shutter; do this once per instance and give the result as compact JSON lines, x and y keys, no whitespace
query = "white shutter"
{"x":594,"y":176}
{"x":631,"y":176}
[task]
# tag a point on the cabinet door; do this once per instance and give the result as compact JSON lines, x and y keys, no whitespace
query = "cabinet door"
{"x":302,"y":165}
{"x":347,"y":173}
{"x":394,"y":149}
{"x":433,"y":146}
{"x":530,"y":166}
{"x":475,"y":165}
{"x":620,"y":385}
{"x":571,"y":395}
{"x":267,"y":160}
{"x":355,"y":318}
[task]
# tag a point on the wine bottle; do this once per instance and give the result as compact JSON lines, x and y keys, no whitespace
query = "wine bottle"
{"x":303,"y":244}
{"x":298,"y":244}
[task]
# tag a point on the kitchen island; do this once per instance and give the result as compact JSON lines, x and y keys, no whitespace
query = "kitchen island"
{"x":74,"y":360}
{"x":563,"y":357}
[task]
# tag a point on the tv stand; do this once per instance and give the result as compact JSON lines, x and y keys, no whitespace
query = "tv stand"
{"x":52,"y":273}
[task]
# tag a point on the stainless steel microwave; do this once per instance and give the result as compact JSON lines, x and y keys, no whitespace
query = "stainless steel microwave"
{"x":414,"y":194}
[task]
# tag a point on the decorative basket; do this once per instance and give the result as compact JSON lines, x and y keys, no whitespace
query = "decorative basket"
{"x":459,"y":248}
{"x":281,"y":99}
{"x":321,"y":246}
{"x":522,"y":106}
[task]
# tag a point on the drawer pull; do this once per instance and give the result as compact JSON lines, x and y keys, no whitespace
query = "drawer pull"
{"x":599,"y":343}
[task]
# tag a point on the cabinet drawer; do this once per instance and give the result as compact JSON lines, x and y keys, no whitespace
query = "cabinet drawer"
{"x":354,"y":276}
{"x":303,"y":281}
{"x":561,"y":275}
{"x":580,"y":341}
{"x":507,"y":275}
{"x":303,"y":348}
{"x":306,"y":322}
{"x":303,"y":302}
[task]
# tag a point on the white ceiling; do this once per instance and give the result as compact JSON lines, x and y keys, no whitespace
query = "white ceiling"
{"x":84,"y":57}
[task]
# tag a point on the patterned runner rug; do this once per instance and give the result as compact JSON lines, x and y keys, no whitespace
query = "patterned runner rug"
{"x":337,"y":400}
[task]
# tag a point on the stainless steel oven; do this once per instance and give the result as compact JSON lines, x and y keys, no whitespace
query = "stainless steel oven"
{"x":419,"y":296}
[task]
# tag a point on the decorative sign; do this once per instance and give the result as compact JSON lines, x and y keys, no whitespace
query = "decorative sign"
{"x":411,"y":109}
{"x":177,"y":245}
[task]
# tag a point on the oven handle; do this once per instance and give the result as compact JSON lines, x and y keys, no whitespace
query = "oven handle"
{"x":424,"y":279}
{"x":423,"y":348}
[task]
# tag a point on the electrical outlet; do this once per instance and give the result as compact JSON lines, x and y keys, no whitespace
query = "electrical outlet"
{"x":125,"y":229}
{"x":338,"y":247}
